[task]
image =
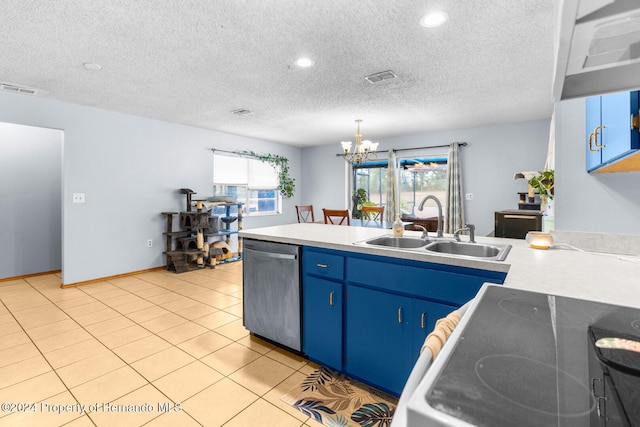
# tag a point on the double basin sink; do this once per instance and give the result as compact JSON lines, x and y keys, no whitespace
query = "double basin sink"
{"x":490,"y":252}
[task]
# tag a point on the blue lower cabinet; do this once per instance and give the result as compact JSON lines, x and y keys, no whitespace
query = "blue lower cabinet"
{"x":367,"y":316}
{"x":425,"y":315}
{"x":322,"y":321}
{"x":378,"y":338}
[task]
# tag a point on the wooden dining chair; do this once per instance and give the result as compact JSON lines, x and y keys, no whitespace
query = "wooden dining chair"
{"x":305,"y":213}
{"x":332,"y":215}
{"x":372,"y":213}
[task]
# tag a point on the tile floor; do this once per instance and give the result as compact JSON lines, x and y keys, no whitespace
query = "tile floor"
{"x":154,"y":349}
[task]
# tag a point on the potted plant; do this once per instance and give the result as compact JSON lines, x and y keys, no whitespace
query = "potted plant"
{"x":543,"y":183}
{"x":359,"y":197}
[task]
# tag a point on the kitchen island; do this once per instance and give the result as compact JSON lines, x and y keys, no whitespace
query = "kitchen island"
{"x":358,"y":299}
{"x":592,"y":276}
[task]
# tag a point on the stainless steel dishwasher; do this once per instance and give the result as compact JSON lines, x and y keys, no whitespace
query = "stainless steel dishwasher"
{"x":271,"y":291}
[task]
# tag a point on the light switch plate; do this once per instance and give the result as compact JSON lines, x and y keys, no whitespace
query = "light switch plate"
{"x":78,"y":197}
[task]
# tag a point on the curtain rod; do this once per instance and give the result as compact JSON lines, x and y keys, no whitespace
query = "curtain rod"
{"x":230,"y":152}
{"x":237,"y":153}
{"x":461,"y":144}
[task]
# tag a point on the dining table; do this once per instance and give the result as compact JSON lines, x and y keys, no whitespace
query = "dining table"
{"x":376,"y":224}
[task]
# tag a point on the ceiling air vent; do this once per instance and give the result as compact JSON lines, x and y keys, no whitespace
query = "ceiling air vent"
{"x":378,"y":77}
{"x":241,"y":112}
{"x":17,"y":89}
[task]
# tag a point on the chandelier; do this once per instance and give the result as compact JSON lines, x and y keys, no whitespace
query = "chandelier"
{"x":363,"y":151}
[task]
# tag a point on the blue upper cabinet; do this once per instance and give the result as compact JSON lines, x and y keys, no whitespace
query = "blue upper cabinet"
{"x":612,"y":137}
{"x":593,"y":121}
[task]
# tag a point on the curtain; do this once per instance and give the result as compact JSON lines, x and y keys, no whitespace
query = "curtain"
{"x":392,"y":206}
{"x":551,"y":161}
{"x":454,"y":217}
{"x":551,"y":158}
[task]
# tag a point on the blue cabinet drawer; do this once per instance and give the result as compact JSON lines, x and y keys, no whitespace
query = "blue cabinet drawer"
{"x":322,"y":264}
{"x":444,"y":286}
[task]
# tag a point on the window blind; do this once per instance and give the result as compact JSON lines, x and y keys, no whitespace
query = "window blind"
{"x":230,"y":170}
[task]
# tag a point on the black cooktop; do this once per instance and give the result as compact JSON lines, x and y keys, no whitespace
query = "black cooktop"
{"x":529,"y":359}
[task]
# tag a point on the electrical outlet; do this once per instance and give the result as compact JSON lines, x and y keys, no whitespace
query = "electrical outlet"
{"x":149,"y":243}
{"x":78,"y":198}
{"x":468,"y":196}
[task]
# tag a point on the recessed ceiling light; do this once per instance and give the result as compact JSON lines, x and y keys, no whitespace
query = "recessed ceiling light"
{"x":92,"y":66}
{"x":304,"y":62}
{"x":434,"y":19}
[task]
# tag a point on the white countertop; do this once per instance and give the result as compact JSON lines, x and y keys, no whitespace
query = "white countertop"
{"x":613,"y":279}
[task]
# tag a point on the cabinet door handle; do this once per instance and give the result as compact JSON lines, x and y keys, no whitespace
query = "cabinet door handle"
{"x":593,"y":150}
{"x":593,"y":387}
{"x":595,"y":137}
{"x":322,"y":265}
{"x":520,"y":217}
{"x":331,"y":297}
{"x":601,"y":409}
{"x":422,"y":320}
{"x":400,"y":315}
{"x":635,"y":121}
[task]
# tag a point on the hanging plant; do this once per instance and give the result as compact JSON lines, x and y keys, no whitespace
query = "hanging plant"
{"x":286,"y":184}
{"x":543,"y":183}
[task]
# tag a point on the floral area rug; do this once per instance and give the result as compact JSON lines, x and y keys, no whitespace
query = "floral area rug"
{"x":338,"y":401}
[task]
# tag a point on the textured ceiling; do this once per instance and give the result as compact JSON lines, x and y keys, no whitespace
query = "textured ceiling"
{"x":194,"y":61}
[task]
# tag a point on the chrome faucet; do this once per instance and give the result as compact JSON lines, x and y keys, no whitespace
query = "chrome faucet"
{"x":467,"y":227}
{"x":425,"y":234}
{"x":435,"y":199}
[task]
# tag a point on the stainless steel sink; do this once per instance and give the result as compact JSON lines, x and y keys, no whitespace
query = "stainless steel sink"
{"x":397,"y":242}
{"x":446,"y":246}
{"x":495,"y":252}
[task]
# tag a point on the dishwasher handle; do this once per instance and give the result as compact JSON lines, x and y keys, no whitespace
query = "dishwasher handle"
{"x":271,"y":254}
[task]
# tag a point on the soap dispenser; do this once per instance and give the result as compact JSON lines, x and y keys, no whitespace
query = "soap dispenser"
{"x":397,"y":227}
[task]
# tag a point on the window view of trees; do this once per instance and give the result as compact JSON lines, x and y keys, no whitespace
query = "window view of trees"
{"x":418,"y":178}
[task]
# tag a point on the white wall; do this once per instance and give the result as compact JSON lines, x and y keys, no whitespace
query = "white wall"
{"x":30,"y":200}
{"x":324,"y":178}
{"x":130,"y":169}
{"x":489,"y":161}
{"x":605,"y":202}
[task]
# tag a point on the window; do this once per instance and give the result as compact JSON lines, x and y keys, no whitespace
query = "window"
{"x":249,"y":181}
{"x":417,"y":179}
